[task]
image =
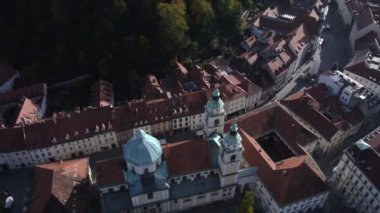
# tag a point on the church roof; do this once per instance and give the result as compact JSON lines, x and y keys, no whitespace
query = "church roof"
{"x":216,"y":102}
{"x":142,"y":149}
{"x":231,"y":139}
{"x":188,"y":157}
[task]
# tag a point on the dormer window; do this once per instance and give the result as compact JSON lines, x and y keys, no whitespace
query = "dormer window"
{"x":96,"y":128}
{"x":76,"y":133}
{"x":87,"y":131}
{"x":109,"y":126}
{"x":103,"y":127}
{"x":67,"y":137}
{"x":54,"y":140}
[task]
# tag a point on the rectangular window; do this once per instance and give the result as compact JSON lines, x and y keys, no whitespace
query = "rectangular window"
{"x":150,"y":195}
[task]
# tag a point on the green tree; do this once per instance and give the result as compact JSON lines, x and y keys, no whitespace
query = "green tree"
{"x":228,"y":13}
{"x":247,"y":3}
{"x":201,"y":15}
{"x":246,"y":205}
{"x":172,"y":29}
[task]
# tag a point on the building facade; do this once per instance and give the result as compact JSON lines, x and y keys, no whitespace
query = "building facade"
{"x":356,"y":177}
{"x":179,"y":176}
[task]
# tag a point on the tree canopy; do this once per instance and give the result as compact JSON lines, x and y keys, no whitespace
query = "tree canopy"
{"x":246,"y":205}
{"x":52,"y":41}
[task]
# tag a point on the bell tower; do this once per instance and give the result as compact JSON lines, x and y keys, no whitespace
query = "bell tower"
{"x":214,"y":118}
{"x":230,"y":156}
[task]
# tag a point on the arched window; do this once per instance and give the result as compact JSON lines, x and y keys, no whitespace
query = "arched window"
{"x":216,"y":122}
{"x":233,"y":157}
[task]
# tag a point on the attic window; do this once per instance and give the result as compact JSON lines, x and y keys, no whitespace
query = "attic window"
{"x":67,"y":137}
{"x":86,"y":131}
{"x":109,"y":125}
{"x":96,"y":128}
{"x":76,"y":133}
{"x":103,"y":127}
{"x":54,"y":140}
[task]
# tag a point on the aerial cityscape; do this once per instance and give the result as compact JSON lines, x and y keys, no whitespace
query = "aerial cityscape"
{"x":239,"y":106}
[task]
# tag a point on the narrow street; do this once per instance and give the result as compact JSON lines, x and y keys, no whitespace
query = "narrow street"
{"x":336,"y":42}
{"x":336,"y":47}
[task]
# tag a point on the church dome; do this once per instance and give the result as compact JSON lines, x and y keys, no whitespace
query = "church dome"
{"x":142,"y":149}
{"x":233,"y":137}
{"x":215,"y":104}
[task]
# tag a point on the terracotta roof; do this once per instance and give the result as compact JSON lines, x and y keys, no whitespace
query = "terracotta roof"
{"x":28,"y":112}
{"x":181,"y":70}
{"x":373,"y":139}
{"x":360,"y":68}
{"x":280,"y":64}
{"x":60,"y":187}
{"x":37,"y":90}
{"x":109,"y":172}
{"x":269,"y":18}
{"x":102,"y":94}
{"x":306,"y":107}
{"x":68,"y":127}
{"x":322,"y":111}
{"x":6,"y":73}
{"x":364,"y":14}
{"x":285,"y":180}
{"x":366,"y":41}
{"x":187,"y":157}
{"x":300,"y":38}
{"x":274,"y":118}
{"x":12,"y":139}
{"x":160,"y":110}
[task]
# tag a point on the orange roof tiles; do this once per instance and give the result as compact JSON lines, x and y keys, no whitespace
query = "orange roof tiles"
{"x":37,"y":90}
{"x":285,"y":180}
{"x":109,"y":172}
{"x":102,"y":94}
{"x":187,"y":157}
{"x":28,"y":112}
{"x":76,"y":126}
{"x":60,"y":185}
{"x":274,"y":117}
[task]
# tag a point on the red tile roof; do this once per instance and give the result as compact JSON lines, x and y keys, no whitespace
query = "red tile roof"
{"x":322,"y":111}
{"x":37,"y":90}
{"x":300,"y":38}
{"x":109,"y":172}
{"x":366,"y":41}
{"x":159,"y":110}
{"x":6,"y":73}
{"x":69,"y":127}
{"x":361,"y":69}
{"x":28,"y":112}
{"x":60,"y":187}
{"x":306,"y":107}
{"x":280,"y":64}
{"x":12,"y":139}
{"x":187,"y":157}
{"x":102,"y":94}
{"x":274,"y":118}
{"x":373,"y":139}
{"x":285,"y":180}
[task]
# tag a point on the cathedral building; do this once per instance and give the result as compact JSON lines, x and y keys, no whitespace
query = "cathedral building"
{"x":177,"y":176}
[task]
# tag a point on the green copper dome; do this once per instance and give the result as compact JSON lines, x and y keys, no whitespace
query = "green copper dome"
{"x":142,"y":149}
{"x":215,"y":103}
{"x":216,"y":93}
{"x":233,"y":137}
